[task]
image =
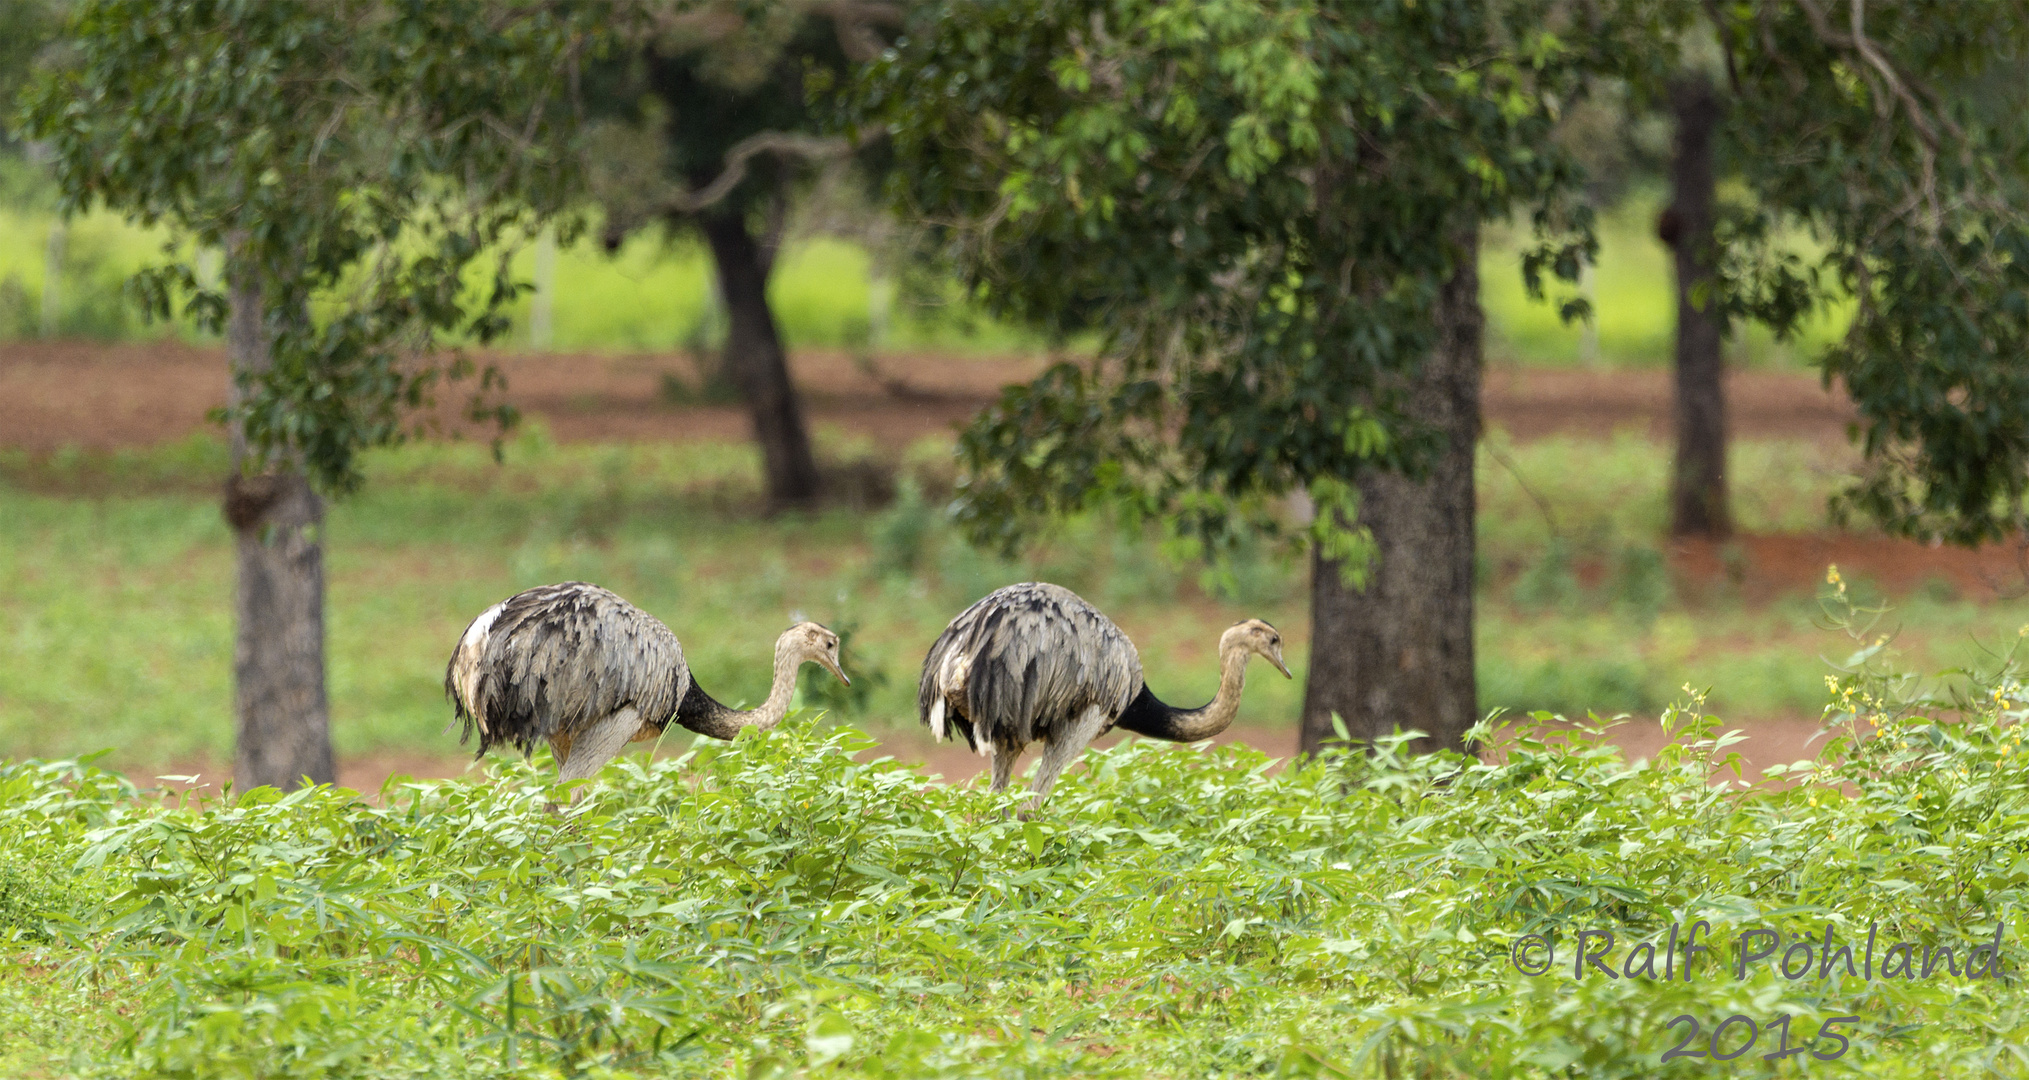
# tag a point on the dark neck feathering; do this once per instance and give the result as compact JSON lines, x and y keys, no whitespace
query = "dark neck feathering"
{"x":1147,"y":715}
{"x":702,"y":713}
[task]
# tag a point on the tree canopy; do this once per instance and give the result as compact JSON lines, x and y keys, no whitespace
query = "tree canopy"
{"x":1251,"y":202}
{"x":707,"y":119}
{"x":710,"y":107}
{"x":1876,"y":128}
{"x":353,"y":158}
{"x":1247,"y":200}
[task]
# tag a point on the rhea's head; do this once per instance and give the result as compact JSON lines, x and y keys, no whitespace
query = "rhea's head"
{"x":809,"y":642}
{"x":1257,"y":637}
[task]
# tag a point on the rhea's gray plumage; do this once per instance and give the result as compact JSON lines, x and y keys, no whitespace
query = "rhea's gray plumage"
{"x":576,"y":666}
{"x":1035,"y":662}
{"x":1027,"y":659}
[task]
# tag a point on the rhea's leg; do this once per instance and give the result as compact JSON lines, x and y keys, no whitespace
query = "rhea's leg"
{"x":1003,"y":766}
{"x":593,"y":747}
{"x":1064,"y":749}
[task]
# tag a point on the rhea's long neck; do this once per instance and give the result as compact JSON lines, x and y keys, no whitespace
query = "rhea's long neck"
{"x":702,"y":713}
{"x":1149,"y":716}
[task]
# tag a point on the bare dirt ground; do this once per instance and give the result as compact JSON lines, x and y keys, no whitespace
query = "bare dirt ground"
{"x":1532,"y":403}
{"x":1762,"y":567}
{"x":103,"y":397}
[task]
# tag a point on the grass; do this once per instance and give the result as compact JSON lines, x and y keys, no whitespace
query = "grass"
{"x":652,"y":295}
{"x":774,"y":908}
{"x":1634,"y":299}
{"x":656,"y":296}
{"x":116,"y":579}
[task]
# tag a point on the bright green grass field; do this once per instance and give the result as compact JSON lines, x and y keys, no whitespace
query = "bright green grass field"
{"x":115,"y":607}
{"x":651,"y":295}
{"x":1634,"y":304}
{"x":655,"y":296}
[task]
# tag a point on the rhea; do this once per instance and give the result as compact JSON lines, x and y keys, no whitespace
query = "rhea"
{"x":576,"y":666}
{"x":1035,"y":662}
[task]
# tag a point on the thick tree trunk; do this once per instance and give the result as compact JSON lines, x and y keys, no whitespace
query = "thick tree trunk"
{"x":1698,"y":500}
{"x":283,"y":718}
{"x":755,"y":361}
{"x":1399,"y":654}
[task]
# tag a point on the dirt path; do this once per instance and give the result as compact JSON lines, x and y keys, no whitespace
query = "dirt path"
{"x":106,"y":397}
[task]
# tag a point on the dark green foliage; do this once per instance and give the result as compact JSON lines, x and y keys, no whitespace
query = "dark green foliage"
{"x":27,"y":27}
{"x":1250,"y":203}
{"x":354,"y":159}
{"x":691,"y":85}
{"x":31,"y":894}
{"x":1550,"y":581}
{"x":1884,"y":130}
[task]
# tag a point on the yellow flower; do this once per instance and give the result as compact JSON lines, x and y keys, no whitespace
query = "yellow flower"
{"x":1832,"y":576}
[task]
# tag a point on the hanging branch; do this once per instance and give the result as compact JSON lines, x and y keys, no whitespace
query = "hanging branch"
{"x":784,"y":143}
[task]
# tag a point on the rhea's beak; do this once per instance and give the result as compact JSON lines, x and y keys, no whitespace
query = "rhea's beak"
{"x":832,"y":666}
{"x":1275,"y":657}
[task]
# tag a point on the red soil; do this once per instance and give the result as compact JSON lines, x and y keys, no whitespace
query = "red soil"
{"x":104,"y":397}
{"x":1763,"y":567}
{"x":1531,"y":403}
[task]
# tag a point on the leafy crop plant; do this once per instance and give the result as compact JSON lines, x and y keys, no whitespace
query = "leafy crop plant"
{"x":777,"y":907}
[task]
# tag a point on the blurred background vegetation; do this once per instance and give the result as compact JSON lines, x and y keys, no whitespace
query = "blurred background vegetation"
{"x":115,"y":568}
{"x":655,"y":293}
{"x":115,"y":574}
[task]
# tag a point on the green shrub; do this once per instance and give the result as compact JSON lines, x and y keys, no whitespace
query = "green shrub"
{"x":1550,"y":581}
{"x":904,"y":534}
{"x":31,"y":894}
{"x":1641,"y":582}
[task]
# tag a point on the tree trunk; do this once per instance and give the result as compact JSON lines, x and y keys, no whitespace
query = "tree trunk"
{"x":755,"y":360}
{"x":1399,"y":653}
{"x":1698,"y":501}
{"x":283,"y":718}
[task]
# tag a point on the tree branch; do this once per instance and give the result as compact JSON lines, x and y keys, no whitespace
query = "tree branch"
{"x":785,"y":143}
{"x":1898,"y":88}
{"x":1880,"y":63}
{"x":1858,"y":42}
{"x":1719,"y":29}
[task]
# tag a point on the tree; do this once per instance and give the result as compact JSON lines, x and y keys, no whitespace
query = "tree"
{"x":26,"y":26}
{"x":1892,"y":135}
{"x":354,"y":160}
{"x":716,"y":129}
{"x":1698,"y":501}
{"x":1879,"y":132}
{"x":1266,"y":211}
{"x":1269,"y":212}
